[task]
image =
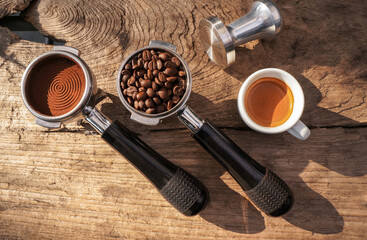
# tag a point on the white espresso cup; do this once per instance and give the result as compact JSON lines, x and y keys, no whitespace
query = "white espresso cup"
{"x":293,"y":125}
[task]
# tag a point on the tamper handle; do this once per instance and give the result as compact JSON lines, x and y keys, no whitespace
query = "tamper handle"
{"x":265,"y":189}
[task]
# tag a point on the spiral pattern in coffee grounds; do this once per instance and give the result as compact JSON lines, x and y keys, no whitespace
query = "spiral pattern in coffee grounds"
{"x":63,"y":93}
{"x":55,"y":86}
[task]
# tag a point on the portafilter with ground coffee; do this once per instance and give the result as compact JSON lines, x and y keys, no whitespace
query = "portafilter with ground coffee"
{"x":58,"y":87}
{"x":155,"y":82}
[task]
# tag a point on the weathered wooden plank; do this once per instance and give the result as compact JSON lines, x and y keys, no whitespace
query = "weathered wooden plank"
{"x":69,"y":184}
{"x":61,"y":185}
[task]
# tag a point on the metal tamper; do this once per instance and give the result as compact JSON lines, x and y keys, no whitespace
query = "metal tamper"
{"x":263,"y":21}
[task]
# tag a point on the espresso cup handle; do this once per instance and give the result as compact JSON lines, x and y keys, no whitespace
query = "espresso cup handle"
{"x":300,"y":130}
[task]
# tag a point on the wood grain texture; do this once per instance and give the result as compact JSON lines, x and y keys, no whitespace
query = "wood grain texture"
{"x":69,"y":184}
{"x":12,"y":6}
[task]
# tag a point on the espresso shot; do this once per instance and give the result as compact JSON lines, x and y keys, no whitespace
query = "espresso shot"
{"x":153,"y":81}
{"x":269,"y":102}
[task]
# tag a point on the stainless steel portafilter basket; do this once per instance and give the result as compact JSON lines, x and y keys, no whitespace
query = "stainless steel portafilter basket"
{"x":187,"y":194}
{"x":263,"y":21}
{"x":265,"y":189}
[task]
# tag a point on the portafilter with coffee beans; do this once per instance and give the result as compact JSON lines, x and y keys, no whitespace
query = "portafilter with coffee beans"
{"x":155,"y":82}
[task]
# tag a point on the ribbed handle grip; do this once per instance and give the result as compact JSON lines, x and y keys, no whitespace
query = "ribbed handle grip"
{"x":185,"y":193}
{"x":266,"y":190}
{"x":271,"y":195}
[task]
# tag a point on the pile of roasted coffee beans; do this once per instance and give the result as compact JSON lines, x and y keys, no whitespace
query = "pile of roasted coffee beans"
{"x":154,"y":81}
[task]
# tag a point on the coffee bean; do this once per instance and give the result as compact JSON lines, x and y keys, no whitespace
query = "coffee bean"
{"x":125,"y":92}
{"x":128,"y":66}
{"x":161,"y":108}
{"x":150,"y":74}
{"x":169,"y":92}
{"x":139,"y":55}
{"x":150,"y":92}
{"x":123,"y":85}
{"x":171,"y":79}
{"x":141,"y":89}
{"x":162,"y":77}
{"x":141,"y":105}
{"x":155,"y":73}
{"x":136,"y":104}
{"x":154,"y":64}
{"x":175,"y":99}
{"x":126,"y":77}
{"x":182,"y":83}
{"x":146,"y":83}
{"x":130,"y":90}
{"x":131,"y":81}
{"x":164,"y":56}
{"x":157,"y":100}
{"x":124,"y":72}
{"x":169,"y":104}
{"x":135,"y":63}
{"x":141,"y":62}
{"x":150,"y":110}
{"x":130,"y":101}
{"x":155,"y":86}
{"x":134,"y":95}
{"x":159,"y":83}
{"x":162,"y":93}
{"x":177,"y":90}
{"x":170,"y":64}
{"x":153,"y":52}
{"x":146,"y":55}
{"x":137,"y":84}
{"x":146,"y":65}
{"x":159,"y":64}
{"x":176,"y":61}
{"x":140,"y":72}
{"x":150,"y":65}
{"x":168,"y":85}
{"x":155,"y":57}
{"x":181,"y":73}
{"x":149,"y":103}
{"x":170,"y":71}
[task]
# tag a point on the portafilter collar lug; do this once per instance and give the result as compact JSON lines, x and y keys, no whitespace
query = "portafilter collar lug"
{"x":170,"y":46}
{"x":67,"y":49}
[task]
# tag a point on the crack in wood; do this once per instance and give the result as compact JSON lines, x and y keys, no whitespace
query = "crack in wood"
{"x":360,"y":104}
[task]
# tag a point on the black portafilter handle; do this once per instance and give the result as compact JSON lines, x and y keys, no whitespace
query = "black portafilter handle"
{"x":182,"y":190}
{"x":266,"y":190}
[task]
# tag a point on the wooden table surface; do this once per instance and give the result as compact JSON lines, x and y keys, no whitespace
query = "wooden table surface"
{"x":69,"y":184}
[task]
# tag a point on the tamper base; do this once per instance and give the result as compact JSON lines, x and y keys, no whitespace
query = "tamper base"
{"x":216,"y":41}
